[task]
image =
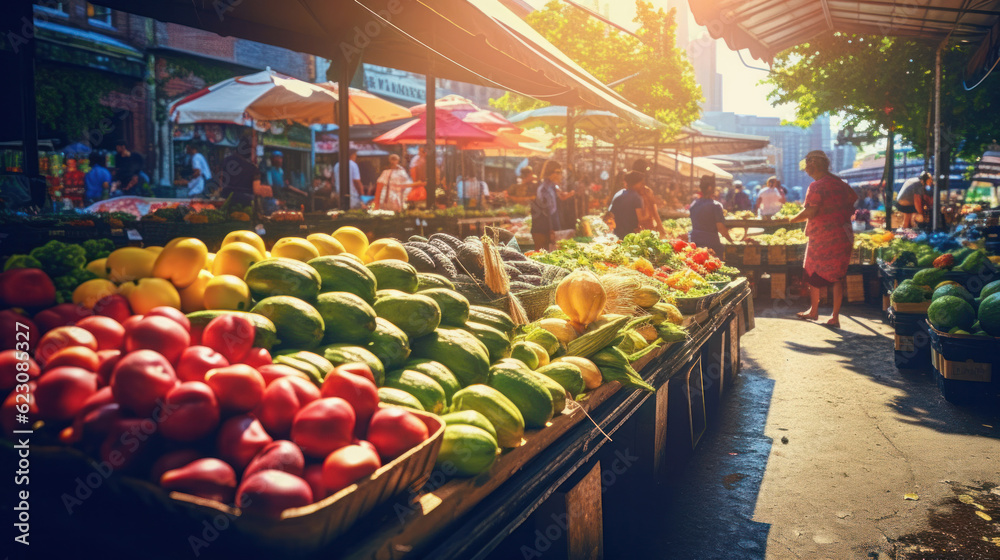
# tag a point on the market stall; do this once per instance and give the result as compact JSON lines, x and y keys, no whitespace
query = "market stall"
{"x":486,"y":375}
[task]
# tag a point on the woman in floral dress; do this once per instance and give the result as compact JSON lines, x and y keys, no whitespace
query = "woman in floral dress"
{"x":828,"y":208}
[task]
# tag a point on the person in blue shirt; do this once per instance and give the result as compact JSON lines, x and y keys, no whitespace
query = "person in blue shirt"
{"x":545,"y":208}
{"x":626,"y":204}
{"x":708,"y":218}
{"x":98,"y":180}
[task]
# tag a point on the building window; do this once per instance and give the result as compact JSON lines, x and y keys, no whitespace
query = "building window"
{"x":60,"y":9}
{"x":99,"y":15}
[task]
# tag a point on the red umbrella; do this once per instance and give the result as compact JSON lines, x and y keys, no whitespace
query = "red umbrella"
{"x":488,"y":120}
{"x":454,"y":104}
{"x":449,"y":130}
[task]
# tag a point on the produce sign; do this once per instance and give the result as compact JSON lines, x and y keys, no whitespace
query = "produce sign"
{"x":292,"y":373}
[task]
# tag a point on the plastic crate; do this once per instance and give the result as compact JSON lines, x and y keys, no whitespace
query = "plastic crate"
{"x":911,"y":343}
{"x":967,"y":368}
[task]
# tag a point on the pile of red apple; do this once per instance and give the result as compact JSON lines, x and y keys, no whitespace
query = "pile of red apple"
{"x":204,"y":413}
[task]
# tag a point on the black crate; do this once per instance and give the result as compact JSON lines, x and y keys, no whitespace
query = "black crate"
{"x":911,"y":346}
{"x":967,"y":367}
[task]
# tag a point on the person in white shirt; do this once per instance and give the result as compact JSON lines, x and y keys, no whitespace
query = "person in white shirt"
{"x":200,"y":172}
{"x":771,"y":199}
{"x":355,"y":174}
{"x":473,"y":192}
{"x":392,"y":187}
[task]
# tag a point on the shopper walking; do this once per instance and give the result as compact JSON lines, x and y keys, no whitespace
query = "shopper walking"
{"x":627,"y":204}
{"x":392,"y":187}
{"x":545,"y":208}
{"x":828,"y":208}
{"x":771,"y":199}
{"x":708,"y":218}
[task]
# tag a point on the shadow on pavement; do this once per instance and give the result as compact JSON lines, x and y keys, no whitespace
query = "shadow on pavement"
{"x":870,"y":353}
{"x":705,"y":512}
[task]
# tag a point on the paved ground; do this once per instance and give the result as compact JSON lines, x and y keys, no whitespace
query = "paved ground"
{"x":820,"y":444}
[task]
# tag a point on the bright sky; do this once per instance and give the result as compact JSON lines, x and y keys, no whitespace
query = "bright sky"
{"x":740,"y":91}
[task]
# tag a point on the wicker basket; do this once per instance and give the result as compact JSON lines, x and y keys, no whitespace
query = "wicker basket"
{"x":149,"y":522}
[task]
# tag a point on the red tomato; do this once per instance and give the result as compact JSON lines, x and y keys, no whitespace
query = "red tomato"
{"x":230,"y":335}
{"x":173,"y":314}
{"x":27,"y":287}
{"x":273,"y":372}
{"x":240,"y":439}
{"x":282,"y":401}
{"x":257,"y":357}
{"x":281,"y":455}
{"x":358,"y":369}
{"x":141,"y":379}
{"x":160,"y":334}
{"x":360,"y":392}
{"x":238,"y":387}
{"x":63,"y":391}
{"x":63,"y":337}
{"x":74,"y":356}
{"x":191,"y":412}
{"x":323,"y":426}
{"x":196,"y":361}
{"x":208,"y":478}
{"x":394,"y":431}
{"x":62,"y":315}
{"x":114,"y":306}
{"x":108,"y":361}
{"x":268,"y":493}
{"x":348,"y":465}
{"x":109,"y":333}
{"x":15,"y":328}
{"x":173,"y":460}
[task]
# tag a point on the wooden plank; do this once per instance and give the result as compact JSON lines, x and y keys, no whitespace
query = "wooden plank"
{"x":585,"y":522}
{"x":696,"y":403}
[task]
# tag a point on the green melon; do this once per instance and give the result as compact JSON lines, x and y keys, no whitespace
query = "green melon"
{"x":282,"y":277}
{"x":989,"y":314}
{"x":948,"y":312}
{"x":344,"y":274}
{"x":347,"y":317}
{"x":395,"y":275}
{"x":299,"y":325}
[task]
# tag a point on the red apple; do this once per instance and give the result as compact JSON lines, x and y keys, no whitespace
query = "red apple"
{"x":282,"y":401}
{"x":394,"y":431}
{"x":63,"y":391}
{"x":313,"y":475}
{"x":268,"y":493}
{"x":208,"y":478}
{"x":141,"y":379}
{"x":17,"y":367}
{"x":160,"y":334}
{"x":191,"y":412}
{"x":323,"y":426}
{"x":240,"y":439}
{"x":355,"y":389}
{"x":109,"y":333}
{"x":238,"y":387}
{"x":231,"y":335}
{"x":114,"y":306}
{"x":196,"y":361}
{"x":348,"y":465}
{"x":281,"y":455}
{"x":131,"y":322}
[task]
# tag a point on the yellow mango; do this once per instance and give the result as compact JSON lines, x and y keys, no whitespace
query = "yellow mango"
{"x":99,"y":267}
{"x":193,"y":297}
{"x":130,"y":263}
{"x":245,"y":236}
{"x":325,"y":244}
{"x":235,"y":258}
{"x":353,"y":239}
{"x":153,"y":292}
{"x":181,"y":261}
{"x":294,"y":248}
{"x":209,"y":259}
{"x":155,"y":249}
{"x":90,"y":292}
{"x":384,"y":249}
{"x":227,"y":292}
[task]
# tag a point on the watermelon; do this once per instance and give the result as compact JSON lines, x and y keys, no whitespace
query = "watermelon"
{"x":948,"y":312}
{"x":990,"y":289}
{"x":989,"y":314}
{"x":952,"y":290}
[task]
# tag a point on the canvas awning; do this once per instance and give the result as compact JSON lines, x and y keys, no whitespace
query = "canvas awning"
{"x":767,"y":27}
{"x":702,"y":142}
{"x":475,"y":41}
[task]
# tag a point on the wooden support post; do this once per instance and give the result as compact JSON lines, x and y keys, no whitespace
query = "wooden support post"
{"x":713,"y":360}
{"x":733,"y":339}
{"x":570,"y":524}
{"x":696,"y":403}
{"x":651,"y":443}
{"x":431,"y":145}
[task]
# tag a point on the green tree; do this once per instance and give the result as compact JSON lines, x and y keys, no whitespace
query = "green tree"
{"x":883,"y":82}
{"x":657,"y":76}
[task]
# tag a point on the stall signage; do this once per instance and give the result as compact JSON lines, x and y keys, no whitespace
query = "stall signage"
{"x":396,"y":86}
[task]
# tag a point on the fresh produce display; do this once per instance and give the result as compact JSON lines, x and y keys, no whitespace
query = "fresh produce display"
{"x":299,"y":371}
